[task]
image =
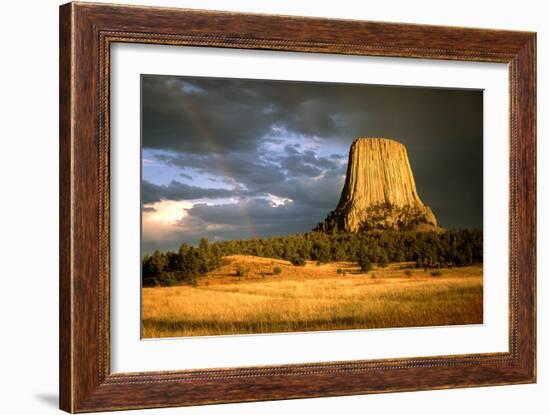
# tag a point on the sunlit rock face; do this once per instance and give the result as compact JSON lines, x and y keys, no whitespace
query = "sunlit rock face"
{"x":379,"y":191}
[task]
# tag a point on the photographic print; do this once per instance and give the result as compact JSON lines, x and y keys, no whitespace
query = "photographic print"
{"x":272,"y":206}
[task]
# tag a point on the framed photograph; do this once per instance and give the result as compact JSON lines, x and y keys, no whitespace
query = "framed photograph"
{"x":258,"y":207}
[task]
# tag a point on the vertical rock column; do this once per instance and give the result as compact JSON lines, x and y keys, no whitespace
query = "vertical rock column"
{"x":378,"y":173}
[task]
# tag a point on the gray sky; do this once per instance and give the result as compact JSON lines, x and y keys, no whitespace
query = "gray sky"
{"x":235,"y":158}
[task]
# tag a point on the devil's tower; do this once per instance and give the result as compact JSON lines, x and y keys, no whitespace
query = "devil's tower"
{"x":379,"y":192}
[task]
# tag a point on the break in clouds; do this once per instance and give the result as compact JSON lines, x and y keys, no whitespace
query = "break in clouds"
{"x":235,"y":159}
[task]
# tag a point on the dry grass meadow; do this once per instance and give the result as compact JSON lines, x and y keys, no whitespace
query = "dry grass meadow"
{"x":310,"y":298}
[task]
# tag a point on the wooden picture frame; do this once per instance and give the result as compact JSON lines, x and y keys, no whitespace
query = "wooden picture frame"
{"x":86,"y":33}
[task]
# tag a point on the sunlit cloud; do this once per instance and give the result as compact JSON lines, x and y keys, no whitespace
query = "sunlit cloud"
{"x":166,"y":211}
{"x":278,"y":201}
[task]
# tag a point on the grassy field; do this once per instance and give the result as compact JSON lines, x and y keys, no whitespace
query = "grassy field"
{"x":312,"y":297}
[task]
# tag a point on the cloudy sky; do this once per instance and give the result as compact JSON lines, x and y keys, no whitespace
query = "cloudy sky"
{"x":235,"y":158}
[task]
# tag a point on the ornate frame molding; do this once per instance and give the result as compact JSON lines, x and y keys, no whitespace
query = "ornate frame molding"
{"x":86,"y":33}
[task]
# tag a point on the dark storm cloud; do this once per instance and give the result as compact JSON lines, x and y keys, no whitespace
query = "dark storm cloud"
{"x":287,"y":175}
{"x":262,"y":218}
{"x":177,"y":118}
{"x":233,"y":114}
{"x":291,"y":139}
{"x":245,"y":169}
{"x":151,"y":193}
{"x":323,"y":193}
{"x":305,"y":164}
{"x":258,"y":211}
{"x":200,"y":115}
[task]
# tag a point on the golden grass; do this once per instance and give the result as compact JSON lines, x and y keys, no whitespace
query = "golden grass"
{"x":311,"y":298}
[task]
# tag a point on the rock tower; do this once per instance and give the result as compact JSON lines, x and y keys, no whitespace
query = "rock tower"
{"x":379,"y":191}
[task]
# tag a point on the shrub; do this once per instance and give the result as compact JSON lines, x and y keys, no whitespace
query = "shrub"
{"x":241,"y":271}
{"x":194,"y":282}
{"x":373,"y":275}
{"x":167,"y":279}
{"x":436,"y":273}
{"x":277,"y":270}
{"x":319,"y":263}
{"x":298,"y":261}
{"x":363,"y":261}
{"x":383,"y":261}
{"x":408,"y":272}
{"x":339,"y":271}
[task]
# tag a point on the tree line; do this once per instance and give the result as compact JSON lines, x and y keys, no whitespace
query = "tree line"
{"x":427,"y":249}
{"x":171,"y":268}
{"x":383,"y":216}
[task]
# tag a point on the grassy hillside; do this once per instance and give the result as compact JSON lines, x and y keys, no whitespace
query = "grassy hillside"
{"x":333,"y":296}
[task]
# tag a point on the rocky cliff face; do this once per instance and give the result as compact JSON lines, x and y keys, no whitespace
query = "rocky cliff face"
{"x":380,"y":191}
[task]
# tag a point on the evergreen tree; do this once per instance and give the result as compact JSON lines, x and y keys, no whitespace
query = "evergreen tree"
{"x":203,"y":255}
{"x":383,"y":260}
{"x":363,"y":260}
{"x":192,"y":263}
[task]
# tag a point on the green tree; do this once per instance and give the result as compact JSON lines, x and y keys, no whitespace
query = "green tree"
{"x":192,"y":263}
{"x":298,"y":261}
{"x":383,"y":260}
{"x":363,"y":260}
{"x":321,"y":250}
{"x":203,"y":254}
{"x":153,"y":268}
{"x":182,"y":253}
